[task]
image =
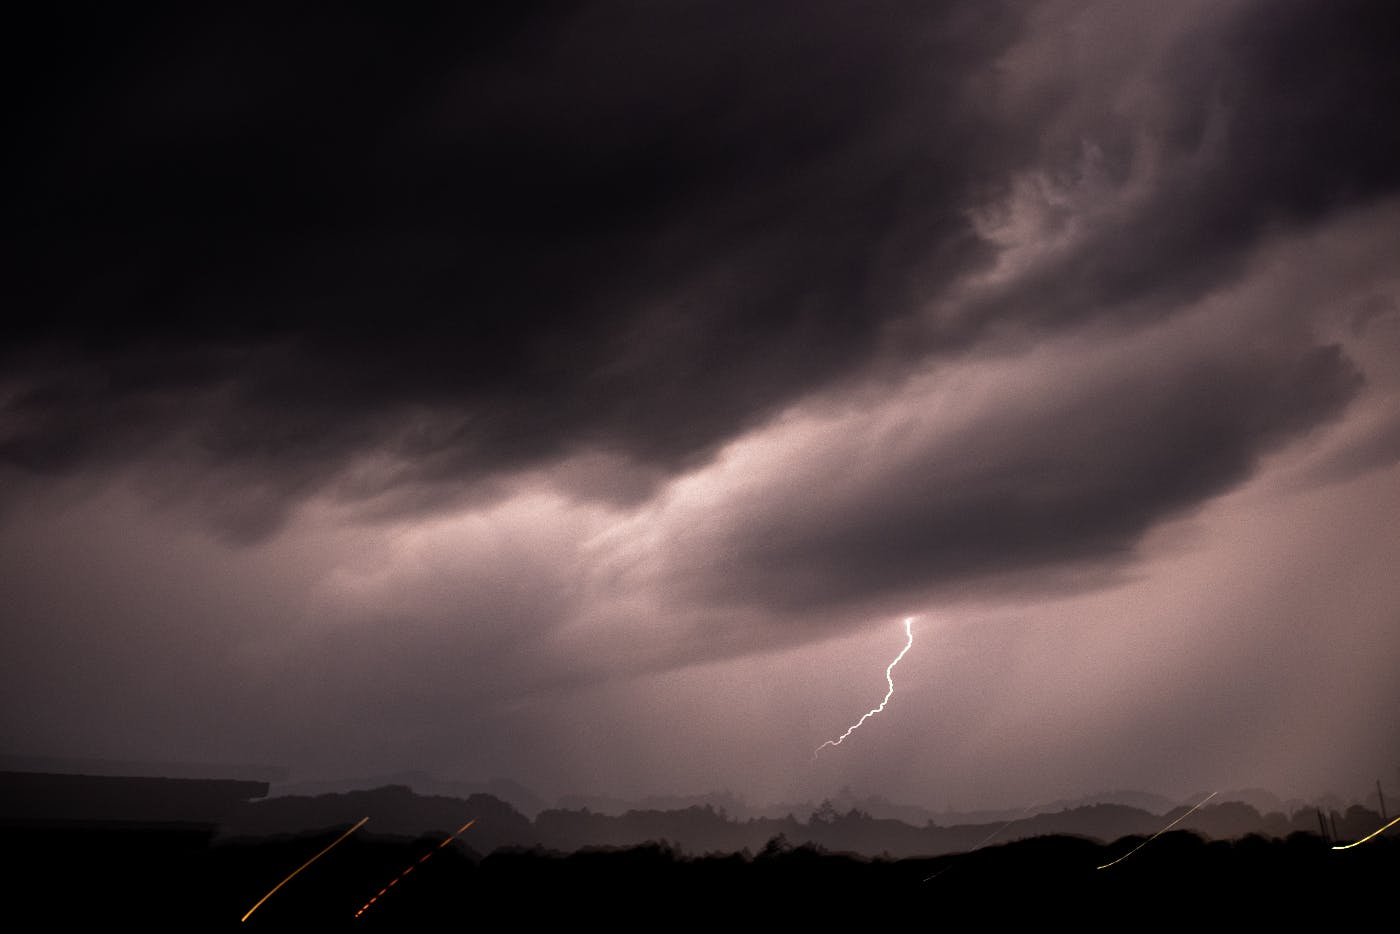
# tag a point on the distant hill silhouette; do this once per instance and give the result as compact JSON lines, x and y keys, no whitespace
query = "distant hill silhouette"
{"x":240,"y":809}
{"x":511,"y":792}
{"x":705,"y":829}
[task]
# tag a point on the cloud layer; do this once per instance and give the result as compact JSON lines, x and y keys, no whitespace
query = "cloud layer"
{"x":468,"y":380}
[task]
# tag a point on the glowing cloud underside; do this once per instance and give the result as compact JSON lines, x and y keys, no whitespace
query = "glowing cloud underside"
{"x":909,"y":634}
{"x":303,"y":866}
{"x":1160,"y":832}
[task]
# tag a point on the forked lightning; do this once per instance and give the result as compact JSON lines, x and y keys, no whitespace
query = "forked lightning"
{"x":909,"y":634}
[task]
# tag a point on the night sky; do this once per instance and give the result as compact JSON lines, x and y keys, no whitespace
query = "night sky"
{"x":583,"y":393}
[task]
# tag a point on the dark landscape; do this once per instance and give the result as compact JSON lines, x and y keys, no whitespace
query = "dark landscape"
{"x":868,"y":465}
{"x":203,"y":852}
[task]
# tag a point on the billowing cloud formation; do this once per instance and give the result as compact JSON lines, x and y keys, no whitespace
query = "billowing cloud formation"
{"x":1033,"y":475}
{"x":437,"y":248}
{"x":623,"y":229}
{"x":468,"y":375}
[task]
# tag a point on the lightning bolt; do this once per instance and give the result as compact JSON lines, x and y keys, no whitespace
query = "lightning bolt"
{"x":909,"y":633}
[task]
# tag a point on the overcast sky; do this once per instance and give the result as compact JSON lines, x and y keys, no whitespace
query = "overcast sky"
{"x":584,"y":393}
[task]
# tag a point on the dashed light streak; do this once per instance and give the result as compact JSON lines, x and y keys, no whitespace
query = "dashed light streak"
{"x":1160,"y":832}
{"x":1368,"y":836}
{"x":421,"y":860}
{"x":909,"y":633}
{"x":303,"y":866}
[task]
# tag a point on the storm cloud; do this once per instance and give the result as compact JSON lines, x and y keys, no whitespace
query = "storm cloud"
{"x":615,"y":229}
{"x":454,"y":245}
{"x":475,"y":379}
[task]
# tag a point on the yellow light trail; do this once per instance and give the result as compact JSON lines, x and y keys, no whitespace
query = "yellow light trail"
{"x":909,"y":633}
{"x":1160,"y":832}
{"x":1369,"y":836}
{"x":421,"y":860}
{"x":303,"y":866}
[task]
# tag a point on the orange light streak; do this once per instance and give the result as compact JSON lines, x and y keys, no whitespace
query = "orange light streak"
{"x":303,"y":866}
{"x":421,"y":860}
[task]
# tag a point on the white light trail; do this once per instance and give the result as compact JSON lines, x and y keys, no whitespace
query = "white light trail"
{"x":985,"y":840}
{"x":1160,"y":832}
{"x":908,"y":632}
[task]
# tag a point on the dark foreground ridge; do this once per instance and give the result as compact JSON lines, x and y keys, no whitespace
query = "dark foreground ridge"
{"x":161,"y":854}
{"x":155,"y":878}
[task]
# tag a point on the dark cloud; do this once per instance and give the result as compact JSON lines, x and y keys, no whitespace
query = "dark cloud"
{"x":1044,"y":478}
{"x":468,"y":242}
{"x":1230,"y":130}
{"x":282,"y":245}
{"x":675,"y":351}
